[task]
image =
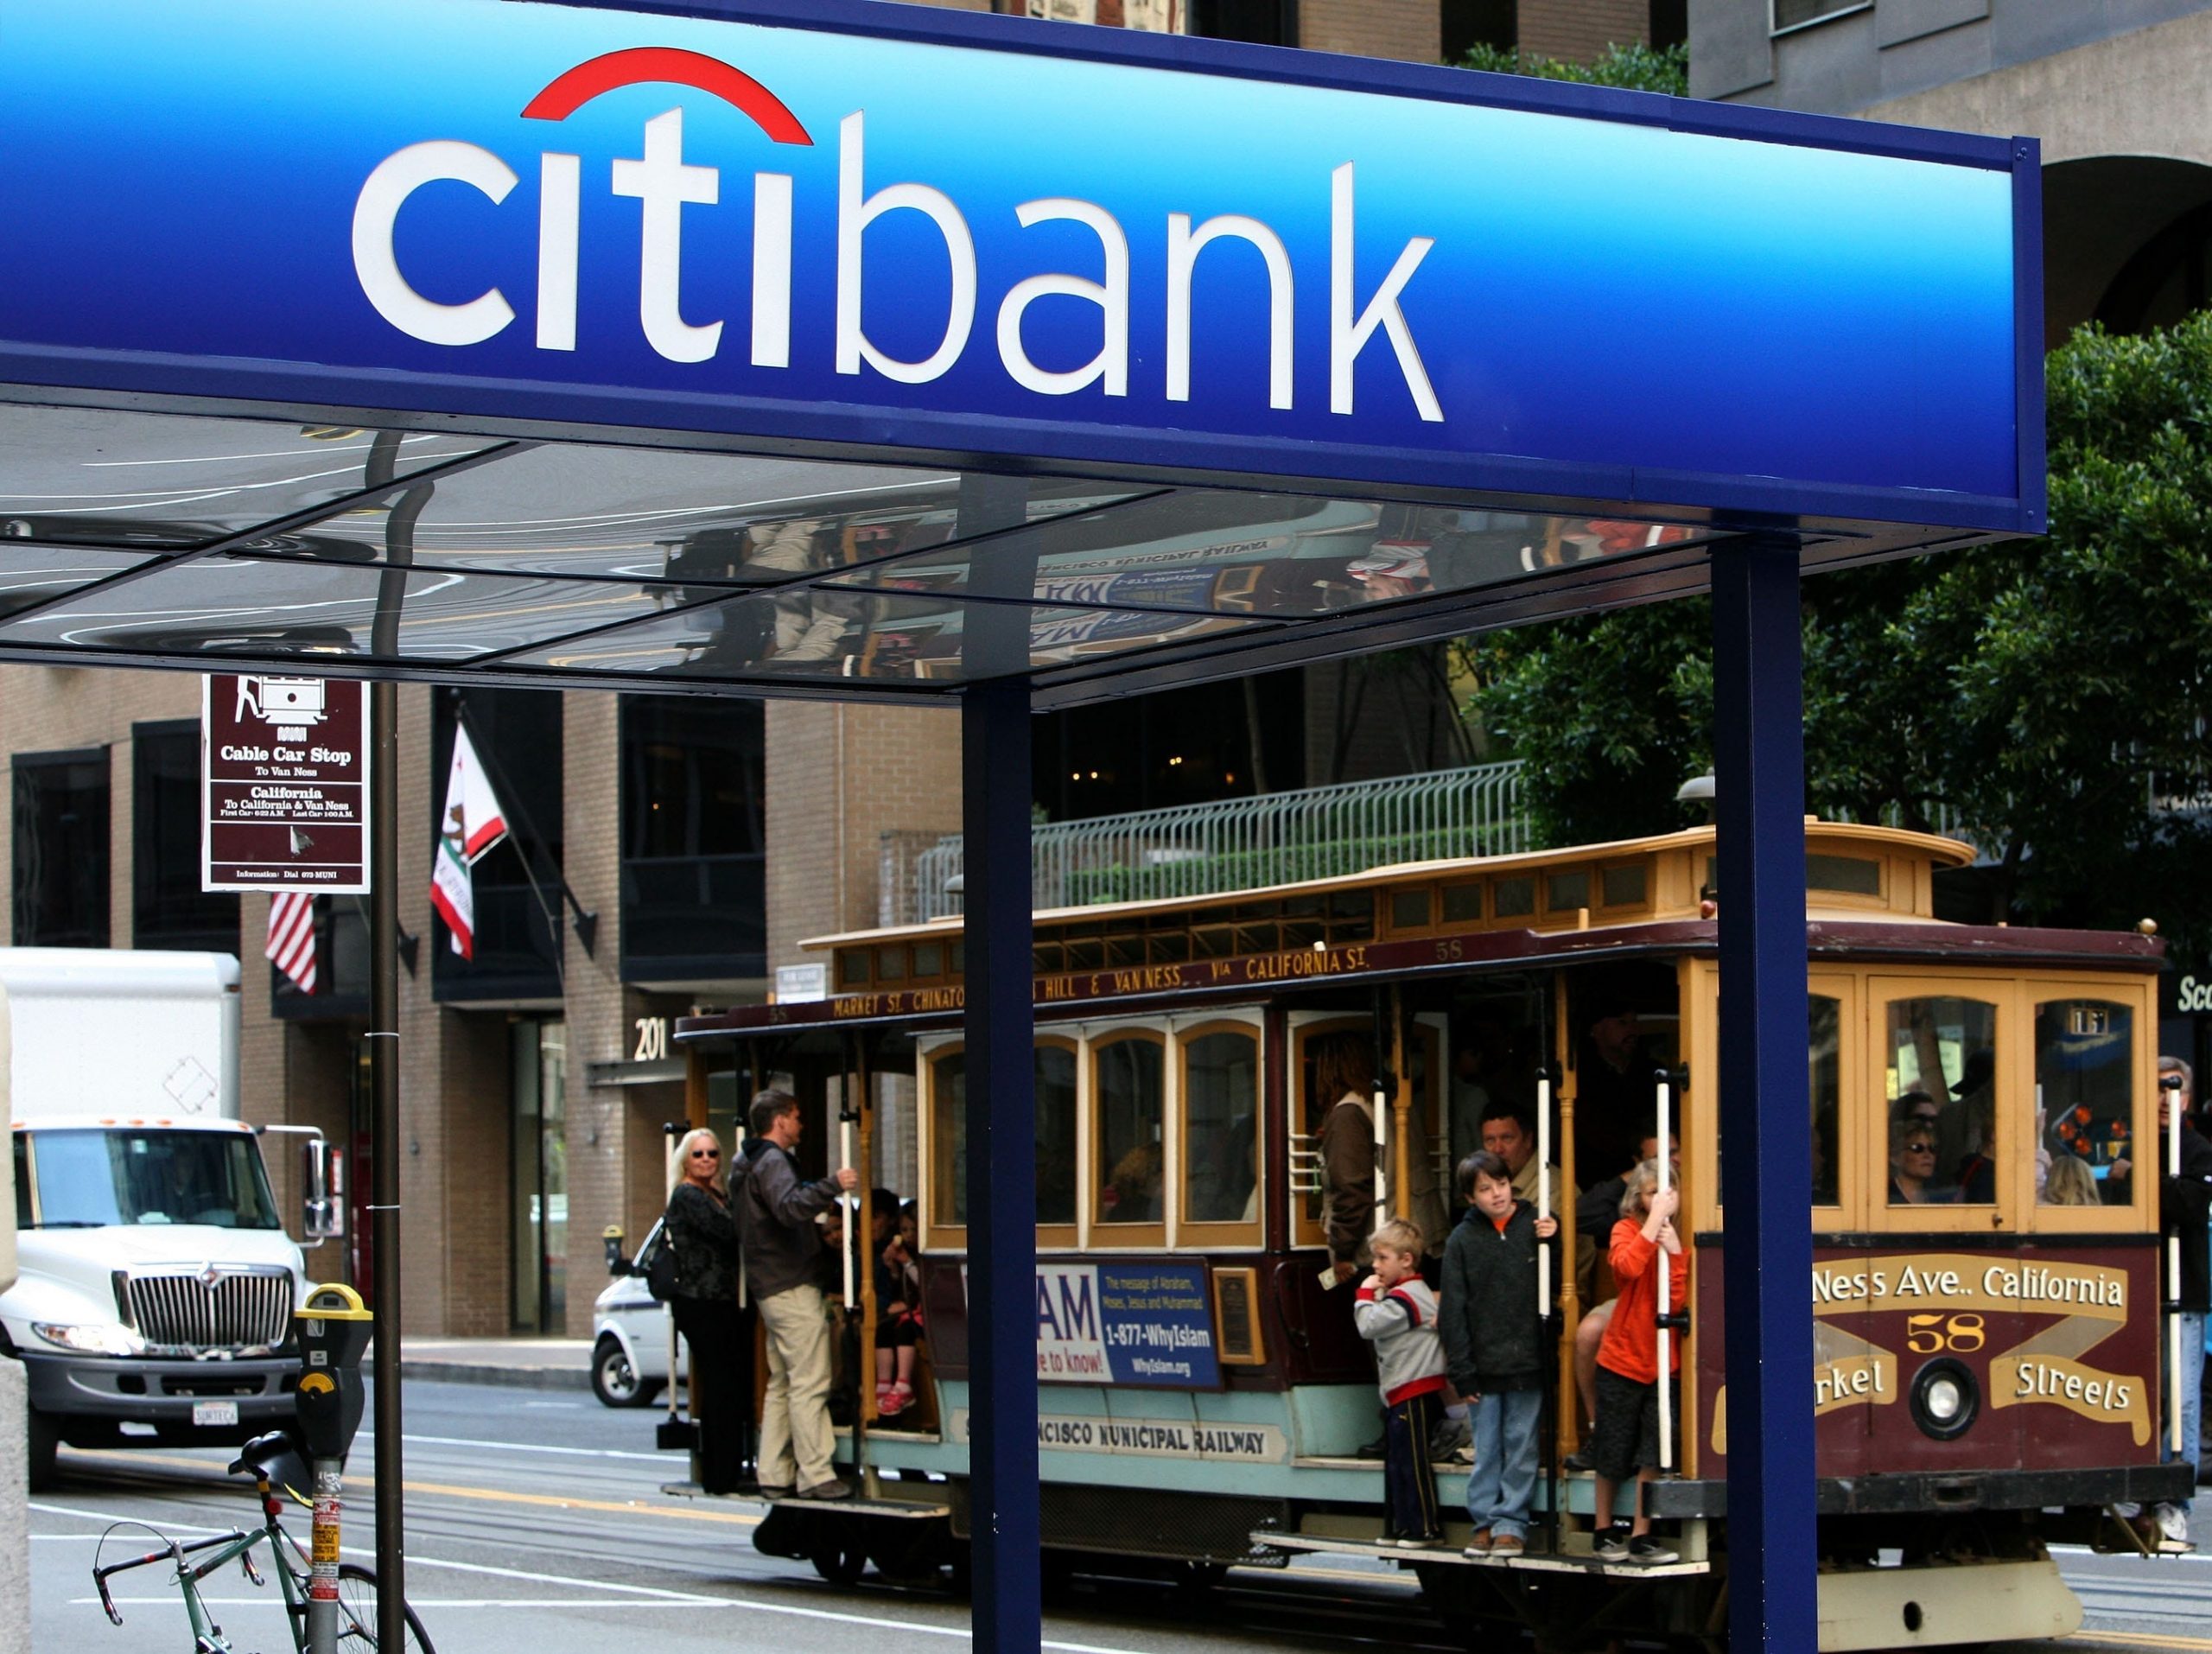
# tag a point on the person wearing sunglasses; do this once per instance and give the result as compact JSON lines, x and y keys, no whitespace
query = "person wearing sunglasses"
{"x":1912,"y":1162}
{"x":702,"y":1231}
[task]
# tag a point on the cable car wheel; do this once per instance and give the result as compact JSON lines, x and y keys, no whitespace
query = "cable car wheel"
{"x":838,"y":1558}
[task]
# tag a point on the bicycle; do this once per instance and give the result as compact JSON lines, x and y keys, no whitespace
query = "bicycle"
{"x":357,"y":1586}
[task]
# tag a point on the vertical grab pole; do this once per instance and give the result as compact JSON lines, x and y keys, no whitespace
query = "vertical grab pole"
{"x":2173,"y":1279}
{"x":1401,"y":1113}
{"x":1379,"y":1101}
{"x":1764,"y":1095}
{"x":1665,"y":1094}
{"x":848,"y":1203}
{"x":1543,"y":1187}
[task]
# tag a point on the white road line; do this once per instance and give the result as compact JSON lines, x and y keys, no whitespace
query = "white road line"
{"x":110,"y":1516}
{"x":525,"y":1447}
{"x":632,"y":1593}
{"x":419,"y":1604}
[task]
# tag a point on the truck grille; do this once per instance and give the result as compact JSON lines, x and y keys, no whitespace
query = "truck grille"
{"x":229,"y":1310}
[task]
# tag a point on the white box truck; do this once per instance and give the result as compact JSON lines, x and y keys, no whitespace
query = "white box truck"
{"x":155,"y":1283}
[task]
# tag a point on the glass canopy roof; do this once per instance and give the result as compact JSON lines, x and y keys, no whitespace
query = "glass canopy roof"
{"x":161,"y":538}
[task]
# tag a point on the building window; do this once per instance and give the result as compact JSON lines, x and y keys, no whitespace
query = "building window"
{"x":1796,"y":13}
{"x":1266,"y":23}
{"x":516,"y":883}
{"x":168,"y":907}
{"x":1467,"y":24}
{"x":694,"y":901}
{"x":61,"y":849}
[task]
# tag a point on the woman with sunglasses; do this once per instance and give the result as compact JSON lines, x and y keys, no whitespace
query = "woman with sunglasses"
{"x":702,"y":1231}
{"x":1912,"y":1162}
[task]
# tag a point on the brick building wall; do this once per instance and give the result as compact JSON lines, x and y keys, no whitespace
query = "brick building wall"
{"x":1399,"y":29}
{"x":1580,"y":30}
{"x":838,"y":778}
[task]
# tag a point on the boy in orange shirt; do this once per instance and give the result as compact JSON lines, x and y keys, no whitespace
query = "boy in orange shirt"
{"x":1625,"y":1444}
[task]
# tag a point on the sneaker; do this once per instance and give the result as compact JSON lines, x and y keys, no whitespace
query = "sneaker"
{"x":1611,"y":1545}
{"x":1425,"y":1542}
{"x":1478,"y":1544}
{"x":1649,"y":1550}
{"x":777,"y":1490}
{"x":1578,"y":1459}
{"x":832,"y":1489}
{"x":1507,"y":1544}
{"x":2169,"y":1529}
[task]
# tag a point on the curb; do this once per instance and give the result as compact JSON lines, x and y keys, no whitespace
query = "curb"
{"x":462,"y":1372}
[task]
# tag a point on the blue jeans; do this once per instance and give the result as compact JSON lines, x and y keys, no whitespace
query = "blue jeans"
{"x":1503,"y":1481}
{"x":2191,"y":1336}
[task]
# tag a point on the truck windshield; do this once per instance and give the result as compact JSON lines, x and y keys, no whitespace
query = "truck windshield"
{"x":81,"y":1180}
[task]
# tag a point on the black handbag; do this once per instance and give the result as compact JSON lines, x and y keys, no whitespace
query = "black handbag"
{"x":660,"y":1270}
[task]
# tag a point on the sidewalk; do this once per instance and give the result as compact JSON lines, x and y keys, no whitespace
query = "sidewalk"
{"x":532,"y":1363}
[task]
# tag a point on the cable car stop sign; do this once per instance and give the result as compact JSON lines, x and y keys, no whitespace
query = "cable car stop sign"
{"x":284,"y":784}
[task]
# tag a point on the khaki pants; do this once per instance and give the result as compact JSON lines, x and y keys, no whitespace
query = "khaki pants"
{"x":795,"y":1416}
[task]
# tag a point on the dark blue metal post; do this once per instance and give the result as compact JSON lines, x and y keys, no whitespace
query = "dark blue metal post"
{"x":1766,"y":1184}
{"x":995,"y":757}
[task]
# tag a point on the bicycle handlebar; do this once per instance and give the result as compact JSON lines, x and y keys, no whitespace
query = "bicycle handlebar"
{"x":173,"y":1552}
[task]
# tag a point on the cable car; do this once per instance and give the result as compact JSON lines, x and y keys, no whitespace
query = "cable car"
{"x":1987,"y":1374}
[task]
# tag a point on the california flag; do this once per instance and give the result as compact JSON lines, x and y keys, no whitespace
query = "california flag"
{"x":473,"y":823}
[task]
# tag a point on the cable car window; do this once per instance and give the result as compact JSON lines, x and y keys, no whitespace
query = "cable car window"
{"x":1221,"y":1110}
{"x":1824,"y":1054}
{"x":1855,"y":875}
{"x":949,"y":1138}
{"x":1941,"y":1062}
{"x":1055,"y":1136}
{"x":1128,"y":1093}
{"x":1409,"y":909}
{"x":2085,"y":1075}
{"x":1565,"y":891}
{"x":1056,"y":1130}
{"x":1514,"y":898}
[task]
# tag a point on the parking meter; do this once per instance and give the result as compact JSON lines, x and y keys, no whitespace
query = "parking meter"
{"x":333,"y":1331}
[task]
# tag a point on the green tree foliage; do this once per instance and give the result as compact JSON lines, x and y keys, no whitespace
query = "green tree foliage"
{"x":2049,"y":698}
{"x":1636,"y":67}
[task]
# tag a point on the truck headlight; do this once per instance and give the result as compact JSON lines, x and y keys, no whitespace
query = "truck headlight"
{"x":96,"y":1338}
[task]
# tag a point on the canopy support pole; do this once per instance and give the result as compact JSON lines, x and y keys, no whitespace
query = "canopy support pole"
{"x":1765,"y":1096}
{"x":384,"y":1040}
{"x":1004,"y":1497}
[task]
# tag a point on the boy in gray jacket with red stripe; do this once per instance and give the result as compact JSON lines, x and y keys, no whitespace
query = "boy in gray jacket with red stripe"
{"x":1396,"y":1312}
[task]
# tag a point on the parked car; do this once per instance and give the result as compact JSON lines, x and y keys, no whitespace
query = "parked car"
{"x":630,"y":1334}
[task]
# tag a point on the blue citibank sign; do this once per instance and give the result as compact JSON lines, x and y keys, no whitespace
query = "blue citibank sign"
{"x":862,"y":228}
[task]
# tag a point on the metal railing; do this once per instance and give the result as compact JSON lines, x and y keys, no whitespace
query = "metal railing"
{"x":1239,"y":843}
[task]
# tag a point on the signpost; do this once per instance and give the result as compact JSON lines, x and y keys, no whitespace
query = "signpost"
{"x":284,"y":784}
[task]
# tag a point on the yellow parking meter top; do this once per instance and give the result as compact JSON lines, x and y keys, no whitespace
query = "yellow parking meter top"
{"x":333,"y":1302}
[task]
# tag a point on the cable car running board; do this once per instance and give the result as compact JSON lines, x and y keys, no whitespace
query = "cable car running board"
{"x":859,"y":1504}
{"x":1451,"y":1555}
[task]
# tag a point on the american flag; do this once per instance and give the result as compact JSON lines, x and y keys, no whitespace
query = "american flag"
{"x":291,"y":936}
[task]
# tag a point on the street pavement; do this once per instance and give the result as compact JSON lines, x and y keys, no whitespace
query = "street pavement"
{"x":536,"y":1525}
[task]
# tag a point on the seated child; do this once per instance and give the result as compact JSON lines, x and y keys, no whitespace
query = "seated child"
{"x":1396,"y":1311}
{"x":898,"y":1307}
{"x":1626,"y":1443}
{"x":1493,"y":1343}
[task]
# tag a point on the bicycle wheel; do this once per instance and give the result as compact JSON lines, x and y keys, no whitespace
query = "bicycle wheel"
{"x":357,"y":1614}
